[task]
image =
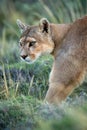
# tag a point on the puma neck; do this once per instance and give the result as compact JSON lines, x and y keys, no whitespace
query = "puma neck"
{"x":58,"y":33}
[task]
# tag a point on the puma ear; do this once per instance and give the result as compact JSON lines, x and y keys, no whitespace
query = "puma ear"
{"x":44,"y":25}
{"x":21,"y":25}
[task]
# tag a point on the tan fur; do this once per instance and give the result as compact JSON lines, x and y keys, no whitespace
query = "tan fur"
{"x":68,"y":44}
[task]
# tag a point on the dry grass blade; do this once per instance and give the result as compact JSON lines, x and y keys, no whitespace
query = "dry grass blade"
{"x":16,"y":88}
{"x":5,"y":82}
{"x":31,"y":83}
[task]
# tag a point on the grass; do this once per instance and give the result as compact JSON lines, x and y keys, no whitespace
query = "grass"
{"x":16,"y":110}
{"x":22,"y":86}
{"x":26,"y":112}
{"x":21,"y":80}
{"x":21,"y":105}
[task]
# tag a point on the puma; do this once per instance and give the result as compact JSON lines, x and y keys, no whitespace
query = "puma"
{"x":68,"y":45}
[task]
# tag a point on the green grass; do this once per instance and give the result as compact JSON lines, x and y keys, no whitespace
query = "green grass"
{"x":26,"y":112}
{"x":17,"y":110}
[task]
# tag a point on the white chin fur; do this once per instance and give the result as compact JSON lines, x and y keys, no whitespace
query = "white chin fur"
{"x":28,"y":60}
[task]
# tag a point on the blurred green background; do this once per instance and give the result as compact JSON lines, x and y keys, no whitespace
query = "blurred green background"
{"x":22,"y":86}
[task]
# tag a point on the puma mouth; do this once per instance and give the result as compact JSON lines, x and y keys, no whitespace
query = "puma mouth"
{"x":27,"y":60}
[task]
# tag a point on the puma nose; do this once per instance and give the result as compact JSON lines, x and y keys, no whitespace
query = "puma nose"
{"x":23,"y":56}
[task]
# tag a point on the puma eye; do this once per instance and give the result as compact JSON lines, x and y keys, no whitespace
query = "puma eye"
{"x":32,"y":43}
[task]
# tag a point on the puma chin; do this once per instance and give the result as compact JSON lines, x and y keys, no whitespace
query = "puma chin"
{"x":28,"y":60}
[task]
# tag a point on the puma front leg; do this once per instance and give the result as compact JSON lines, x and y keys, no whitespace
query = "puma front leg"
{"x":58,"y":92}
{"x":64,"y":78}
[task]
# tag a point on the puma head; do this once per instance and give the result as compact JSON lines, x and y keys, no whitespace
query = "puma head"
{"x":35,"y":40}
